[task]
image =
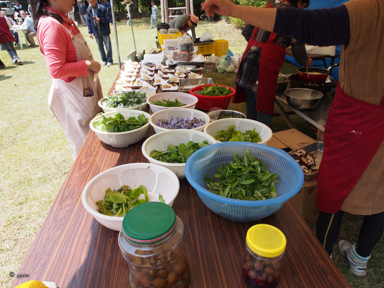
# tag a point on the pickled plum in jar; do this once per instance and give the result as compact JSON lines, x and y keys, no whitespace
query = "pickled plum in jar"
{"x":263,"y":253}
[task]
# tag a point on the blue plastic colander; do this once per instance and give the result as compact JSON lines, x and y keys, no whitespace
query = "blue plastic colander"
{"x":208,"y":159}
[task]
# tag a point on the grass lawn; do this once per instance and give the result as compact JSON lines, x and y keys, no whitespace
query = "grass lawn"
{"x":35,"y":157}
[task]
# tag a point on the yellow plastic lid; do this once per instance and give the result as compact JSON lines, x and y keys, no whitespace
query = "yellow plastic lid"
{"x":266,"y":240}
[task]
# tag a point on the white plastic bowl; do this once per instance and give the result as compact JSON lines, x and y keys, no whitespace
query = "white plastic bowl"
{"x":239,"y":124}
{"x":180,"y":113}
{"x":186,"y":98}
{"x":106,"y":109}
{"x":161,"y":141}
{"x":157,"y":179}
{"x":121,"y":139}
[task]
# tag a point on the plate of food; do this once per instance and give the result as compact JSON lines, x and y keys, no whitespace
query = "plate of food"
{"x":169,"y":87}
{"x":146,"y":77}
{"x":195,"y":75}
{"x":161,"y":66}
{"x":128,"y":73}
{"x":158,"y":80}
{"x":173,"y":79}
{"x":167,"y":70}
{"x":180,"y":74}
{"x":148,"y":72}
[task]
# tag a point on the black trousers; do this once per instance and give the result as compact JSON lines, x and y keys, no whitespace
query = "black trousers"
{"x":328,"y":229}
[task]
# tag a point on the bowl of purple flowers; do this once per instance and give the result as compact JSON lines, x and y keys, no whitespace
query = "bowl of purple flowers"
{"x":179,"y":118}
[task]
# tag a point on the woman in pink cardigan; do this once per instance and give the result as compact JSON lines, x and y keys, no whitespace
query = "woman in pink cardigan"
{"x":75,"y":88}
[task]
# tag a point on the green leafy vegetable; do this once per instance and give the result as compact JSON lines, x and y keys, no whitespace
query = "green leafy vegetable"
{"x":119,"y":124}
{"x":235,"y":135}
{"x":178,"y":154}
{"x":168,"y":103}
{"x":125,"y":99}
{"x":214,"y":90}
{"x":246,"y":178}
{"x":161,"y":199}
{"x":119,"y":202}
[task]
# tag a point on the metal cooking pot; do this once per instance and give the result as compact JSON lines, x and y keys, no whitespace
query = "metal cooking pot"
{"x":302,"y":98}
{"x":305,"y":75}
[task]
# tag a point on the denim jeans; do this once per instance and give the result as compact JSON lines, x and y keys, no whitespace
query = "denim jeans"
{"x":252,"y":113}
{"x":100,"y":40}
{"x":11,"y":50}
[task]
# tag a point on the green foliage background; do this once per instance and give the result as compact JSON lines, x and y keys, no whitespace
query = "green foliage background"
{"x":256,"y":3}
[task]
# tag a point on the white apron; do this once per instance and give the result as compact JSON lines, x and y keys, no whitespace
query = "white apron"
{"x":67,"y":101}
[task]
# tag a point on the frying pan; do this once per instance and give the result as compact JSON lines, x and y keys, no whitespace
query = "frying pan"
{"x":308,"y":77}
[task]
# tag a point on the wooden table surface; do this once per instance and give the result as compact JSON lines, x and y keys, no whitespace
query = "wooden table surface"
{"x":74,"y":250}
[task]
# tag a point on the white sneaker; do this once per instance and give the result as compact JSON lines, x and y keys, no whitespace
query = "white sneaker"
{"x":358,"y":264}
{"x":104,"y":63}
{"x":109,"y":64}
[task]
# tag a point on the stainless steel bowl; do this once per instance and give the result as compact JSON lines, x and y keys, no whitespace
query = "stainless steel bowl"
{"x":302,"y":98}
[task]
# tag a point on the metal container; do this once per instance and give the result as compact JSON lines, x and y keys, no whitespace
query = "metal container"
{"x":302,"y":98}
{"x":316,"y":150}
{"x":187,"y":84}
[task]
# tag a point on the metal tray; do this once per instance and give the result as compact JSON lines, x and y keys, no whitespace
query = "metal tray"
{"x":188,"y":84}
{"x":316,"y":150}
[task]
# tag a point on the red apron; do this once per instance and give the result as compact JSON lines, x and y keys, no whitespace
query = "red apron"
{"x":271,"y":60}
{"x":353,"y":133}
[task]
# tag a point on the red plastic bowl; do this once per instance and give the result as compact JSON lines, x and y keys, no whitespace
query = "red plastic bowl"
{"x":205,"y":103}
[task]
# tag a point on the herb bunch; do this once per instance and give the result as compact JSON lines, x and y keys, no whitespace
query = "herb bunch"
{"x":246,"y":178}
{"x":125,"y":99}
{"x":178,"y":154}
{"x":236,"y":135}
{"x":168,"y":103}
{"x":119,"y":202}
{"x":214,"y":90}
{"x":119,"y":124}
{"x":180,"y":123}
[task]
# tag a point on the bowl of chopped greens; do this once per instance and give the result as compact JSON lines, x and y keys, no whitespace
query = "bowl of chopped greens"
{"x":179,"y":118}
{"x":121,"y":128}
{"x":114,"y":192}
{"x":238,"y":129}
{"x":243,"y":182}
{"x":121,"y":101}
{"x":172,"y":148}
{"x":167,"y":100}
{"x":212,"y":95}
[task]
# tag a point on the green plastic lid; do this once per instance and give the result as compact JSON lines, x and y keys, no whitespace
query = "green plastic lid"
{"x":149,"y":223}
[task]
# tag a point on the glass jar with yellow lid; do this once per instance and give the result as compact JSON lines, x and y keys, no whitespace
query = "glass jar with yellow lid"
{"x":264,"y":251}
{"x":152,"y":242}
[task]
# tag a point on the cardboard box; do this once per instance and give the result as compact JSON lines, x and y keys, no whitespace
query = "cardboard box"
{"x":305,"y":201}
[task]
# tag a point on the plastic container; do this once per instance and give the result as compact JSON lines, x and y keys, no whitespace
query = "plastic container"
{"x":221,"y":47}
{"x":206,"y":161}
{"x":206,"y":49}
{"x":263,"y":254}
{"x":206,"y":103}
{"x":157,"y":179}
{"x":160,"y":142}
{"x":151,"y":241}
{"x":167,"y":36}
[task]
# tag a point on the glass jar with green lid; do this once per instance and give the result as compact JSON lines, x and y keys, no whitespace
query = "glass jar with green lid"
{"x":151,"y":241}
{"x":264,"y":250}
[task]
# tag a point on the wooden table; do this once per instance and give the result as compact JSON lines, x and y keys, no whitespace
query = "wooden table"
{"x":75,"y":251}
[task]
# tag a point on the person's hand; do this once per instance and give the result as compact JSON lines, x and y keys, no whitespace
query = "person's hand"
{"x":309,"y":63}
{"x":93,"y":65}
{"x":97,"y":19}
{"x":222,"y":7}
{"x":91,"y":36}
